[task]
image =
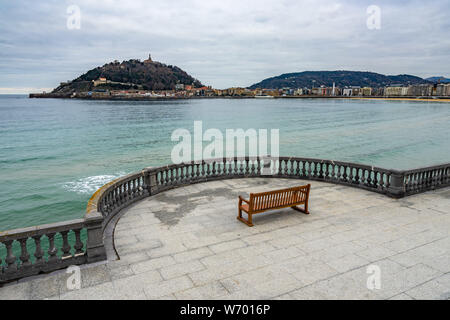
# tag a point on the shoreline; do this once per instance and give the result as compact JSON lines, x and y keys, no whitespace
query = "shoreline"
{"x":134,"y":98}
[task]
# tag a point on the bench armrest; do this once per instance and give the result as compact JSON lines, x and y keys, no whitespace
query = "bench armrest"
{"x":242,"y":199}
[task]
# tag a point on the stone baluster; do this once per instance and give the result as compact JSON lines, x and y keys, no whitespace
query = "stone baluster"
{"x":321,"y":172}
{"x":250,"y":167}
{"x":24,"y":256}
{"x":52,"y":250}
{"x":326,"y":173}
{"x":208,"y":169}
{"x":345,"y":175}
{"x":215,"y":170}
{"x":183,"y":174}
{"x":65,"y":247}
{"x":193,"y":172}
{"x":350,"y":176}
{"x":114,"y":199}
{"x":120,"y":193}
{"x":303,"y":168}
{"x":180,"y":175}
{"x":357,"y":178}
{"x":138,"y":186}
{"x":284,"y":167}
{"x":203,"y":173}
{"x":78,"y":243}
{"x":170,"y":176}
{"x":368,"y":180}
{"x":247,"y":166}
{"x":197,"y":170}
{"x":241,"y":167}
{"x":173,"y":178}
{"x":333,"y":172}
{"x":176,"y":176}
{"x":124,"y":191}
{"x":163,"y":178}
{"x":259,"y":165}
{"x":187,"y":174}
{"x":375,"y":179}
{"x":38,"y":253}
{"x":133,"y":188}
{"x":10,"y":260}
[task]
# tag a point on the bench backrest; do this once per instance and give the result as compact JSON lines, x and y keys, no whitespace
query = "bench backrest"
{"x":279,"y":198}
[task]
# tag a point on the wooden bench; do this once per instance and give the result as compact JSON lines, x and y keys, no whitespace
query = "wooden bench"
{"x":278,"y":199}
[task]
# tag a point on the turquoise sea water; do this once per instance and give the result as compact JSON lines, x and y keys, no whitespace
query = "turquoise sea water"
{"x":55,"y":153}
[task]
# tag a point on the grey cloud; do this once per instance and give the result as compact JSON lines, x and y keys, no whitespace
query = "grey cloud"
{"x":222,"y":43}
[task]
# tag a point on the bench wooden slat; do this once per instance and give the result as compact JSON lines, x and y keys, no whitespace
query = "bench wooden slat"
{"x":277,"y":199}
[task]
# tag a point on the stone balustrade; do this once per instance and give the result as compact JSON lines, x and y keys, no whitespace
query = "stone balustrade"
{"x":109,"y":200}
{"x":421,"y":180}
{"x":51,"y":247}
{"x":40,"y":250}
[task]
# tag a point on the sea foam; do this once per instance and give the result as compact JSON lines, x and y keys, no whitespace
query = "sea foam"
{"x":91,"y":184}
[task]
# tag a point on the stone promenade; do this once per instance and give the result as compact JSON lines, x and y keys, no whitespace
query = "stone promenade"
{"x":187,"y":244}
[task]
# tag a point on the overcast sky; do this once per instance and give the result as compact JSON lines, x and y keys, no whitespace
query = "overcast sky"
{"x":222,"y":43}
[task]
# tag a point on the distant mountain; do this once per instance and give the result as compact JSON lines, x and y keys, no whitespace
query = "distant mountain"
{"x":340,"y":78}
{"x":438,"y":79}
{"x":131,"y":74}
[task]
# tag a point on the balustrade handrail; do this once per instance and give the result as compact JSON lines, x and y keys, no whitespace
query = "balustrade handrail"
{"x":41,"y":230}
{"x":110,"y":199}
{"x":435,"y":167}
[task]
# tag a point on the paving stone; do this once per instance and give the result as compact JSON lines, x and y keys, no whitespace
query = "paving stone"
{"x":401,"y":296}
{"x":104,"y":291}
{"x":193,"y":254}
{"x":177,"y":270}
{"x":314,"y":272}
{"x":152,"y":264}
{"x":347,"y":263}
{"x":436,"y":289}
{"x":208,"y":291}
{"x":375,"y":253}
{"x":132,"y":288}
{"x":407,"y":279}
{"x":120,"y":272}
{"x":166,"y":287}
{"x":93,"y":276}
{"x":227,"y":246}
{"x":45,"y":287}
{"x":18,"y":291}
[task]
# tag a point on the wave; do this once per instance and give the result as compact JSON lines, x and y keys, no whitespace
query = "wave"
{"x":91,"y":184}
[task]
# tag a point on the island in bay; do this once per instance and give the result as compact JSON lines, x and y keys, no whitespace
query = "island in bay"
{"x":140,"y":80}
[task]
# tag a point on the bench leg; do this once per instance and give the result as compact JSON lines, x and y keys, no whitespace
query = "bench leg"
{"x":305,"y":211}
{"x":247,"y":222}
